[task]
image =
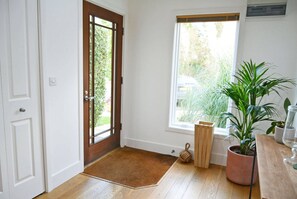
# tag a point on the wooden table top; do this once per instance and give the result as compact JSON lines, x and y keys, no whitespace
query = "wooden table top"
{"x":277,"y":179}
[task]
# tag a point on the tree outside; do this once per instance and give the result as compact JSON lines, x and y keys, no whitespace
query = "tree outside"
{"x":102,"y":74}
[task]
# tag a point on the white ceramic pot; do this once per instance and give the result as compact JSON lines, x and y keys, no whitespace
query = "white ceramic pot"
{"x":278,"y":134}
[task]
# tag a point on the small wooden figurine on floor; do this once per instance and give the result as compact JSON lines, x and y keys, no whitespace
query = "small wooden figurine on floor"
{"x":185,"y":156}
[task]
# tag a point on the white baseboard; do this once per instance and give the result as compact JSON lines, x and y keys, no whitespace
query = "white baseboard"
{"x":62,"y":176}
{"x":219,"y":159}
{"x":216,"y":158}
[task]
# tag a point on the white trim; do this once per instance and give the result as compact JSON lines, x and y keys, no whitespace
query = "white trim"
{"x":174,"y":72}
{"x":216,"y":158}
{"x":63,"y":175}
{"x":46,"y":160}
{"x":80,"y":85}
{"x":124,"y":53}
{"x":153,"y":146}
{"x":189,"y":130}
{"x":239,"y":48}
{"x":4,"y":188}
{"x":43,"y":82}
{"x":218,"y":134}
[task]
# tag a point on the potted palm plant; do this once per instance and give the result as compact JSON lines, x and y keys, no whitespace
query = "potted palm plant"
{"x":252,"y":84}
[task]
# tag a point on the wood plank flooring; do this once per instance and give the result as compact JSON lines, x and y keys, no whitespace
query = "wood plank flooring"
{"x":181,"y":181}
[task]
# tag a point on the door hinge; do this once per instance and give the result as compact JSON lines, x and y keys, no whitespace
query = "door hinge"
{"x":123,"y":31}
{"x":121,"y":126}
{"x":122,"y":80}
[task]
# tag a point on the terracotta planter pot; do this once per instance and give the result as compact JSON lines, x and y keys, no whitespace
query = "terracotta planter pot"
{"x":239,"y":167}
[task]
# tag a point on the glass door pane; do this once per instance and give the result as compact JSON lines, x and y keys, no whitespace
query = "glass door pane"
{"x":101,"y":70}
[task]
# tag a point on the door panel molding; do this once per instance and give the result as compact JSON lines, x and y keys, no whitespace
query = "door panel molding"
{"x":19,"y":48}
{"x":22,"y":150}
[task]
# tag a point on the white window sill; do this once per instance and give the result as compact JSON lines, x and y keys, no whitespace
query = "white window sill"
{"x":218,"y":133}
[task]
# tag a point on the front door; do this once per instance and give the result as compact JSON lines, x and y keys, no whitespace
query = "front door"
{"x":19,"y":68}
{"x":102,"y":38}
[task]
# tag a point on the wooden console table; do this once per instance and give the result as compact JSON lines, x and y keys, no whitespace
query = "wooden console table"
{"x":277,"y":179}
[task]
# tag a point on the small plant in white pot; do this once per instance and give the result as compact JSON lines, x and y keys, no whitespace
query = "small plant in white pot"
{"x":252,"y":84}
{"x":277,"y":127}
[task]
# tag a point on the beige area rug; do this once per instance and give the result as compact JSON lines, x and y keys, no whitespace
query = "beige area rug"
{"x":131,"y":167}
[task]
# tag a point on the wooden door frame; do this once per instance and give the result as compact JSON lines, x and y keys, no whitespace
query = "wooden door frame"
{"x":89,"y":8}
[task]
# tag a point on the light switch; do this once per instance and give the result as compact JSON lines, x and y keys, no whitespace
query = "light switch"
{"x":52,"y":81}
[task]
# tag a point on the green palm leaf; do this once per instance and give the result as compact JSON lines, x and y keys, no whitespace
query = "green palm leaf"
{"x":252,"y":84}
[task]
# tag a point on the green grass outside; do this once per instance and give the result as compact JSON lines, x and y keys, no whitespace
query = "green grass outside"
{"x":103,"y":120}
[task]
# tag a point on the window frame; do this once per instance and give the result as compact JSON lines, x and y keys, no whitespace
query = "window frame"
{"x":187,"y":128}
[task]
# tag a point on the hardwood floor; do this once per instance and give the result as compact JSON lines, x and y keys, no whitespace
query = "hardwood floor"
{"x":181,"y":181}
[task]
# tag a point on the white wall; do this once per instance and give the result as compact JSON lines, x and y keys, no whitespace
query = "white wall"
{"x":295,"y":53}
{"x":61,"y":58}
{"x":120,"y":7}
{"x":60,"y":28}
{"x":274,"y":40}
{"x":149,"y":57}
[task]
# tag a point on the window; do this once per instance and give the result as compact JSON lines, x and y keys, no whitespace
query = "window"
{"x":203,"y":62}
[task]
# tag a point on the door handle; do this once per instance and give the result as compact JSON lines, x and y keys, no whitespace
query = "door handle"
{"x":22,"y":110}
{"x":88,"y":98}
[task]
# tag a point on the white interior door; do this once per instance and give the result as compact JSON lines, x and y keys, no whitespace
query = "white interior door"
{"x":19,"y":58}
{"x":3,"y":161}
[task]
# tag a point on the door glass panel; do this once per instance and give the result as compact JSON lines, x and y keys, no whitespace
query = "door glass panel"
{"x":102,"y":22}
{"x":101,"y":78}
